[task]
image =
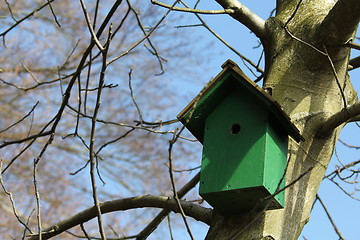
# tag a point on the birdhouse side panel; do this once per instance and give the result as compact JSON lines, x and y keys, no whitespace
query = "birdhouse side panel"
{"x":275,"y":163}
{"x":234,"y":144}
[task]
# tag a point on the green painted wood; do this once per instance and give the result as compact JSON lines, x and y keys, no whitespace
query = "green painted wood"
{"x":236,"y":169}
{"x":276,"y":148}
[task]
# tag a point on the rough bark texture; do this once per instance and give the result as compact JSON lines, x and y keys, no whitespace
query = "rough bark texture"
{"x":300,"y":77}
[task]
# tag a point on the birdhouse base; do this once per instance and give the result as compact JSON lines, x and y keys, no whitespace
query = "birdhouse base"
{"x":243,"y":200}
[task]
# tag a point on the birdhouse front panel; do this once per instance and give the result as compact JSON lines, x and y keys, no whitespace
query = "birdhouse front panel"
{"x":236,"y":164}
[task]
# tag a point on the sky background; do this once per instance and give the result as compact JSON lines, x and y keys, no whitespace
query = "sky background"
{"x":344,"y":210}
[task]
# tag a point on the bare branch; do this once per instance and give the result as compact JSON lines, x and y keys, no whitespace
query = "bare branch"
{"x":84,"y":231}
{"x":354,"y":63}
{"x":91,"y":29}
{"x":157,"y":220}
{"x":133,"y":98}
{"x":10,"y":10}
{"x":336,"y":78}
{"x":145,"y":37}
{"x":195,"y":211}
{"x":12,"y":200}
{"x":244,"y":15}
{"x":31,"y":137}
{"x":304,"y":42}
{"x":348,"y":145}
{"x":22,"y":119}
{"x":66,"y":96}
{"x":154,"y":50}
{"x":171,"y":145}
{"x":330,"y":218}
{"x":348,"y":13}
{"x":243,"y":58}
{"x":352,"y":45}
{"x":170,"y":228}
{"x":37,"y":197}
{"x":23,"y":19}
{"x":294,"y":12}
{"x":53,"y":13}
{"x":224,"y":11}
{"x":92,"y":155}
{"x":351,"y":195}
{"x":345,"y":115}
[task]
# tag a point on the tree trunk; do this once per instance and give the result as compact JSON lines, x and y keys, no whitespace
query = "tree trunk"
{"x":306,"y":72}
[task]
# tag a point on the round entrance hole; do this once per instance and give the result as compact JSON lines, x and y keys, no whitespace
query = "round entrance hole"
{"x":235,"y":128}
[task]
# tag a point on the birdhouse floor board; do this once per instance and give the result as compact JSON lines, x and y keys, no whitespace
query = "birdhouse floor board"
{"x":242,"y":200}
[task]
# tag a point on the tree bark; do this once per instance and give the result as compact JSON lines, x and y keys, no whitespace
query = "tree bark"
{"x":306,"y":72}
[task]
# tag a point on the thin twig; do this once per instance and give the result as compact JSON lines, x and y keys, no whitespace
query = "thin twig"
{"x":337,"y":173}
{"x":154,"y":52}
{"x":92,"y":154}
{"x":149,"y":128}
{"x":23,"y":19}
{"x":157,"y":220}
{"x":22,"y":119}
{"x":294,"y":12}
{"x":37,"y":197}
{"x":84,"y":231}
{"x":304,"y":42}
{"x":171,"y":144}
{"x":242,"y":57}
{"x":191,"y":10}
{"x":121,"y":23}
{"x":159,"y":123}
{"x":133,"y":97}
{"x":187,"y":170}
{"x":351,"y":195}
{"x":348,"y":145}
{"x":31,"y":73}
{"x":336,"y":77}
{"x":27,"y":223}
{"x":170,"y":228}
{"x":114,"y":232}
{"x":114,"y":140}
{"x":330,"y":218}
{"x":53,"y":13}
{"x":196,"y":4}
{"x":78,"y":236}
{"x":10,"y":10}
{"x":33,"y":138}
{"x":90,"y":60}
{"x":145,"y":37}
{"x":90,"y":26}
{"x":12,"y":201}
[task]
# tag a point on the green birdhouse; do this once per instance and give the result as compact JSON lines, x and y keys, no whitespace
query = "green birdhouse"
{"x":244,"y":133}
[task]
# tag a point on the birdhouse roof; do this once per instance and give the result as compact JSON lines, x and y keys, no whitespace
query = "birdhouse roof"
{"x":193,"y":116}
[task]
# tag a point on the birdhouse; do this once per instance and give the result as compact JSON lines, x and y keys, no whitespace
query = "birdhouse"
{"x":244,"y":133}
